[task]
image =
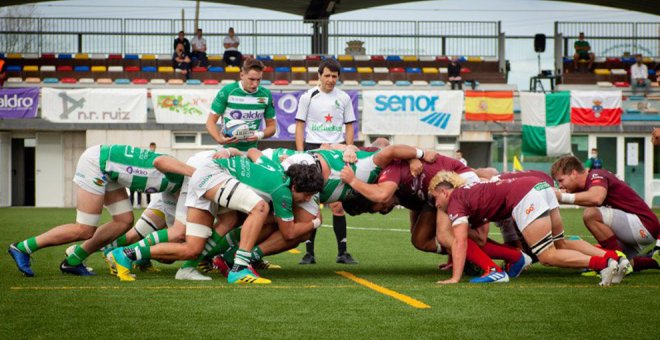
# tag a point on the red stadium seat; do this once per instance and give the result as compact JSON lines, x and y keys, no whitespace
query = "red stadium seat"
{"x":210,"y":82}
{"x":48,"y":56}
{"x":281,"y":82}
{"x":622,"y":84}
{"x":140,"y":81}
{"x":465,"y":70}
{"x":313,"y":57}
{"x":114,"y":56}
{"x":132,"y":69}
{"x":68,"y":80}
{"x":199,"y":69}
{"x":65,"y":68}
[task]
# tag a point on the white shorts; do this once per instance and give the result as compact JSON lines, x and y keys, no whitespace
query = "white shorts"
{"x":470,"y":177}
{"x":89,"y":176}
{"x":628,"y":228}
{"x":197,"y":160}
{"x":533,"y":205}
{"x":236,"y":196}
{"x":166,"y":203}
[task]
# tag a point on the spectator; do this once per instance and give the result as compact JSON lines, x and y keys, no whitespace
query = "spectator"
{"x":181,"y":60}
{"x":459,"y":156}
{"x":3,"y":72}
{"x":182,"y":40}
{"x":594,"y":162}
{"x":232,"y":56}
{"x":454,"y":74}
{"x":639,"y":75}
{"x":583,"y":52}
{"x":655,"y":136}
{"x":199,"y":49}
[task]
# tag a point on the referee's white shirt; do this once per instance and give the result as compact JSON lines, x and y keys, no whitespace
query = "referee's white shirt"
{"x":325,"y":115}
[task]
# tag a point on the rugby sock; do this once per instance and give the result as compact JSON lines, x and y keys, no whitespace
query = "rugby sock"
{"x":119,"y":242}
{"x":641,"y":263}
{"x":309,"y":244}
{"x":498,"y":251}
{"x":339,"y":226}
{"x":142,"y":253}
{"x":28,"y":246}
{"x":241,"y":260}
{"x":154,"y":238}
{"x":610,"y":244}
{"x":77,"y":257}
{"x":477,"y":256}
{"x":257,"y":253}
{"x":598,"y":263}
{"x":212,"y":247}
{"x":611,"y":254}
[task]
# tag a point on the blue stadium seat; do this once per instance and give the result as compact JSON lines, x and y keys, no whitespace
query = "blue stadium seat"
{"x":633,"y":111}
{"x":652,"y":72}
{"x":636,"y":98}
{"x":13,"y":68}
{"x":81,"y":68}
{"x":348,"y":70}
{"x":64,"y":56}
{"x":437,"y":83}
{"x":282,"y":69}
{"x":216,"y":69}
{"x":568,"y":59}
{"x":193,"y":82}
{"x":367,"y":83}
{"x":266,"y":82}
{"x":122,"y":81}
{"x":263,"y":57}
{"x":149,"y":69}
{"x":462,"y":59}
{"x":628,"y":60}
{"x":393,"y":58}
{"x":131,"y":57}
{"x":413,"y":70}
{"x":402,"y":83}
{"x":51,"y":80}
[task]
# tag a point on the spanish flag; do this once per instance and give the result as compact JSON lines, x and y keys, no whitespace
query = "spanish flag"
{"x":489,"y":105}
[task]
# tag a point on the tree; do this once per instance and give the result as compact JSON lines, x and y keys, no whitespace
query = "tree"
{"x":19,"y":29}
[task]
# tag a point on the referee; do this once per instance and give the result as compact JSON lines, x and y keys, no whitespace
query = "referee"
{"x":323,"y":113}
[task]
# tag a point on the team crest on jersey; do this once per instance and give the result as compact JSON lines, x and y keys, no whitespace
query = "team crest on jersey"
{"x":642,"y":233}
{"x":262,"y":100}
{"x":529,"y":209}
{"x":99,"y":181}
{"x":453,"y":217}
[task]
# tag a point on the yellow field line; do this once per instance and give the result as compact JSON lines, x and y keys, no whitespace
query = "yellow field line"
{"x":403,"y":298}
{"x":294,"y":251}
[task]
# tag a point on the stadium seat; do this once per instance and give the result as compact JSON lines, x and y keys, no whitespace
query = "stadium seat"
{"x":210,"y":82}
{"x":351,"y":83}
{"x":166,"y":69}
{"x":437,"y":83}
{"x":604,"y":84}
{"x":30,"y":68}
{"x":362,"y":61}
{"x":266,"y":82}
{"x":475,"y":59}
{"x":13,"y":68}
{"x":149,"y":69}
{"x":104,"y":81}
{"x":48,"y":56}
{"x":414,"y":73}
{"x":14,"y":56}
{"x":397,"y":73}
{"x":99,"y":68}
{"x":227,"y":81}
{"x":602,"y":71}
{"x":462,"y":59}
{"x":140,"y":81}
{"x":298,"y":82}
{"x":349,"y":73}
{"x":281,"y":82}
{"x":216,"y":69}
{"x":442,"y":59}
{"x":81,"y":56}
{"x":465,"y":70}
{"x":402,"y":83}
{"x":123,"y":81}
{"x":51,"y":80}
{"x":381,"y":73}
{"x":81,"y":69}
{"x":175,"y":82}
{"x":443,"y":70}
{"x":118,"y":68}
{"x":114,"y":56}
{"x":420,"y":83}
{"x":198,"y":69}
{"x":410,"y":58}
{"x":157,"y":81}
{"x":214,"y":58}
{"x":32,"y":80}
{"x":280,"y":57}
{"x":68,"y":80}
{"x":86,"y":80}
{"x":282,"y":73}
{"x":263,"y":57}
{"x":14,"y":80}
{"x":394,"y":61}
{"x":622,"y":84}
{"x":163,"y":60}
{"x":344,"y":58}
{"x":64,"y":68}
{"x":385,"y":83}
{"x":47,"y":68}
{"x":427,"y":61}
{"x":31,"y":56}
{"x":633,"y":111}
{"x":233,"y":69}
{"x":367,"y":83}
{"x":628,"y":60}
{"x":64,"y":56}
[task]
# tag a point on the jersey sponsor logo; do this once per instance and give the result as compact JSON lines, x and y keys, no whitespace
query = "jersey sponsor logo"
{"x":247,"y":100}
{"x":204,"y":180}
{"x":136,"y":171}
{"x":541,"y":186}
{"x":325,"y":127}
{"x":596,"y":176}
{"x":80,"y":175}
{"x":529,"y":209}
{"x":151,"y":190}
{"x":246,"y":115}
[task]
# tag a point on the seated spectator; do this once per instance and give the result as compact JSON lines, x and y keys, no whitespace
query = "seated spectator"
{"x":232,"y":56}
{"x":181,"y":39}
{"x":199,"y":50}
{"x":181,"y":61}
{"x":639,"y":75}
{"x":454,"y":73}
{"x":583,"y":52}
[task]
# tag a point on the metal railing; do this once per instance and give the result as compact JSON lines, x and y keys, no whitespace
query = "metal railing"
{"x":612,"y":39}
{"x":156,"y":36}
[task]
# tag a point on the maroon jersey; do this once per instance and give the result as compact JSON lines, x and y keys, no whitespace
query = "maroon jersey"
{"x":623,"y":197}
{"x":413,"y":191}
{"x":489,"y":201}
{"x":528,"y":173}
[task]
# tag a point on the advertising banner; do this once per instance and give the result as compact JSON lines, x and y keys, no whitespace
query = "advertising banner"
{"x":94,"y":105}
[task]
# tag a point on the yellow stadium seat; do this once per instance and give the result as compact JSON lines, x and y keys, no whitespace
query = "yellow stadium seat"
{"x":148,"y":57}
{"x":280,"y":58}
{"x":81,"y":56}
{"x":602,"y":71}
{"x":233,"y":69}
{"x":166,"y":69}
{"x":30,"y":68}
{"x":299,"y":69}
{"x":475,"y":59}
{"x":409,"y":58}
{"x":345,"y":57}
{"x":14,"y":56}
{"x":429,"y":70}
{"x":647,"y":60}
{"x":99,"y":68}
{"x":215,"y":57}
{"x":365,"y":70}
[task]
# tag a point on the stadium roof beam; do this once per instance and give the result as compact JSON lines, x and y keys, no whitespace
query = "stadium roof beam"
{"x":308,"y":8}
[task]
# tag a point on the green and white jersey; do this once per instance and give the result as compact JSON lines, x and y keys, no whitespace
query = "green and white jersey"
{"x":266,"y":178}
{"x":233,"y":102}
{"x":277,"y":154}
{"x":365,"y":170}
{"x":134,"y":168}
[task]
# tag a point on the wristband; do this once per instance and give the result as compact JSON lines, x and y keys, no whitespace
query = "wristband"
{"x":316,"y":222}
{"x":259,"y":134}
{"x":567,"y":198}
{"x":420,"y":153}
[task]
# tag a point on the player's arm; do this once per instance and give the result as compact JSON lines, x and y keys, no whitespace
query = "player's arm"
{"x":227,"y":152}
{"x":350,"y":133}
{"x":291,"y":230}
{"x":593,"y":197}
{"x":377,"y":193}
{"x":254,"y":154}
{"x":171,"y":165}
{"x":212,"y":128}
{"x":458,"y":251}
{"x":403,"y":152}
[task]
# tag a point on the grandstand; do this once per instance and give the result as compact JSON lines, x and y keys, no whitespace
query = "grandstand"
{"x":92,"y":53}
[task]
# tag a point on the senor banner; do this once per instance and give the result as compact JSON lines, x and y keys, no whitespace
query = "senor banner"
{"x":19,"y":103}
{"x":94,"y":105}
{"x":412,"y":112}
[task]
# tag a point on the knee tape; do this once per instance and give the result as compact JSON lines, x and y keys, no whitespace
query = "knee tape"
{"x":120,"y":207}
{"x":542,"y":245}
{"x":197,"y":230}
{"x":145,"y":226}
{"x":87,"y":219}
